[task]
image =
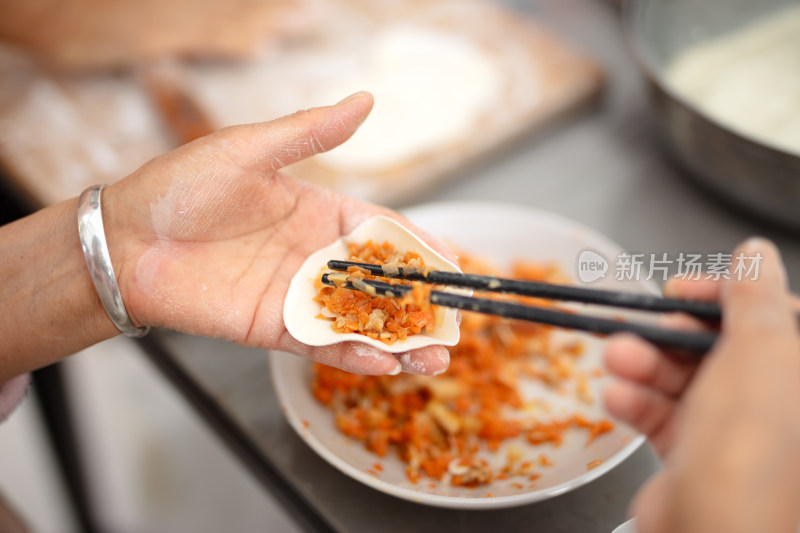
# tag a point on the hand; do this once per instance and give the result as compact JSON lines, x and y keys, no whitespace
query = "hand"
{"x":86,"y":34}
{"x":206,"y":238}
{"x":728,"y":428}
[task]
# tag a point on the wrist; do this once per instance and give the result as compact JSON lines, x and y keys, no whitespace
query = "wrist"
{"x":126,"y":242}
{"x":50,"y":307}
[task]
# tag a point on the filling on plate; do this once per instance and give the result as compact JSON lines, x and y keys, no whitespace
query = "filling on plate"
{"x":443,"y":427}
{"x":385,"y":319}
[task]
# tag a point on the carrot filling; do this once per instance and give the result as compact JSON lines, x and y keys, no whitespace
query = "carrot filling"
{"x":381,"y":318}
{"x":442,"y":427}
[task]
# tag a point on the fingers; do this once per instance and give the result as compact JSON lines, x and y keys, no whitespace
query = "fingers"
{"x":360,"y":358}
{"x":428,"y":361}
{"x":268,"y":146}
{"x":752,"y":305}
{"x":355,"y":357}
{"x":635,"y":360}
{"x":760,"y":342}
{"x":644,"y":409}
{"x":706,"y":290}
{"x":689,"y":289}
{"x":651,"y":384}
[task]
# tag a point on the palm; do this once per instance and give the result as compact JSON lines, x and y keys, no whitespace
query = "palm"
{"x":223,"y":238}
{"x":228,"y":269}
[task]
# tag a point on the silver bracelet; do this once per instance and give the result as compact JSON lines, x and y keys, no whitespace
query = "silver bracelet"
{"x":95,"y":251}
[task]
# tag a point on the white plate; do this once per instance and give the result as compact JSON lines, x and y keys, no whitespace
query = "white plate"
{"x":627,"y":527}
{"x":500,"y":233}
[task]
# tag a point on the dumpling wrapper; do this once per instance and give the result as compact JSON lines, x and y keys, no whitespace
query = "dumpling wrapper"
{"x":300,"y":311}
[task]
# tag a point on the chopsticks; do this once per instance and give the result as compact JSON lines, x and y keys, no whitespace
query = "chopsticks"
{"x":643,"y":302}
{"x":694,"y":342}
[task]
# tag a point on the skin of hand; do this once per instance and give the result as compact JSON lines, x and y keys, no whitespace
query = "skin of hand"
{"x":93,"y":34}
{"x":728,"y":428}
{"x":204,"y":240}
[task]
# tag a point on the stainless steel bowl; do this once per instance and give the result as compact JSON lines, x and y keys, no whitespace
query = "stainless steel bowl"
{"x":764,"y":179}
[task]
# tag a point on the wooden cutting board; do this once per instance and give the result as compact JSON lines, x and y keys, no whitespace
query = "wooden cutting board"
{"x":61,"y":134}
{"x":486,"y":75}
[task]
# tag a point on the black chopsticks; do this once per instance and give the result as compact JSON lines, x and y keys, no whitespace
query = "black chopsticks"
{"x":643,"y":302}
{"x":694,"y":342}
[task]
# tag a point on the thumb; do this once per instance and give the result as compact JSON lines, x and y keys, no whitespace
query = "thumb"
{"x":759,"y":322}
{"x":761,"y":301}
{"x":268,"y":146}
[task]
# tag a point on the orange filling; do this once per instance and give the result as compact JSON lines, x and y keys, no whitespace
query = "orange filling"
{"x":440,"y":425}
{"x":384,"y":319}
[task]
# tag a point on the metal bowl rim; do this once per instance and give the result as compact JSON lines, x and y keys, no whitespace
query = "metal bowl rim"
{"x":638,"y":46}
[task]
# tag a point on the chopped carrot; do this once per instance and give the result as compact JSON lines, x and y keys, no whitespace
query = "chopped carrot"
{"x":594,"y":464}
{"x":385,"y":319}
{"x":439,"y":427}
{"x":598,"y":428}
{"x":595,"y":428}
